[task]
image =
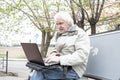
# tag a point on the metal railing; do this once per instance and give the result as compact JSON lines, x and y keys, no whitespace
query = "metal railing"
{"x":4,"y":62}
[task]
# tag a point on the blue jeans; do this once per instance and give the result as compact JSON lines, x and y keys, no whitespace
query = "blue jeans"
{"x":54,"y":74}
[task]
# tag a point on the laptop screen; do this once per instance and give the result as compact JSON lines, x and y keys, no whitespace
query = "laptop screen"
{"x":32,"y":53}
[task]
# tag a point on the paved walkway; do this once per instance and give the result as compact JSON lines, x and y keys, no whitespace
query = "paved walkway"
{"x":11,"y":78}
{"x":18,"y":67}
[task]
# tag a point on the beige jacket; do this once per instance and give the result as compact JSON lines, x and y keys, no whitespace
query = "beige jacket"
{"x":74,"y":46}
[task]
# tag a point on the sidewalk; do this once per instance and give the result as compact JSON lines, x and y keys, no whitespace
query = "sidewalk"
{"x":17,"y":67}
{"x":11,"y":78}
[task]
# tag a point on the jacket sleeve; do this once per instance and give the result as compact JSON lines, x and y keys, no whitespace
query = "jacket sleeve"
{"x":80,"y":55}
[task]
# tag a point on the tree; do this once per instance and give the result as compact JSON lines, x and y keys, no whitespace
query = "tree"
{"x":78,"y":16}
{"x":9,"y":23}
{"x":111,"y":14}
{"x":41,"y":14}
{"x":89,"y":10}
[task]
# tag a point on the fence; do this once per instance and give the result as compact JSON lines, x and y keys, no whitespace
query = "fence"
{"x":4,"y":61}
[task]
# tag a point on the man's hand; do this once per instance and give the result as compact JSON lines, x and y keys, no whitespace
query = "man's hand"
{"x":52,"y":59}
{"x":54,"y":54}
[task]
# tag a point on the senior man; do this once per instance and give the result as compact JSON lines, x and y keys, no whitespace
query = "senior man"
{"x":71,"y":50}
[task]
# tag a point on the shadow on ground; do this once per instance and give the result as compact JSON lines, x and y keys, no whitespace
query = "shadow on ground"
{"x":2,"y":73}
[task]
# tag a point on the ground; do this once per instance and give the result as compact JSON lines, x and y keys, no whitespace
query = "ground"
{"x":2,"y":73}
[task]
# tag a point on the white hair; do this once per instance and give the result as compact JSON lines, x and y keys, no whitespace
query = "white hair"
{"x":65,"y":16}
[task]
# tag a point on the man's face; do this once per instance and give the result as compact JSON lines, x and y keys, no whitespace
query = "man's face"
{"x":62,"y":25}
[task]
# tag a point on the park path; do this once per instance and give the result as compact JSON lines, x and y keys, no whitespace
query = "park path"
{"x":18,"y":67}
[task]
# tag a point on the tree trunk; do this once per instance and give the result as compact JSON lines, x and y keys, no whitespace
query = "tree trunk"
{"x":93,"y":28}
{"x":43,"y":44}
{"x":48,"y":39}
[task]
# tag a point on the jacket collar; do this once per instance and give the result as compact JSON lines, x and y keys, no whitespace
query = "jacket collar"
{"x":72,"y":28}
{"x":70,"y":32}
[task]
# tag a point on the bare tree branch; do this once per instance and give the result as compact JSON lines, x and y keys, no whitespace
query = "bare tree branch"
{"x":35,"y":17}
{"x":100,"y":11}
{"x":73,"y":12}
{"x":19,"y":9}
{"x":47,"y":15}
{"x":92,"y":8}
{"x":76,"y":3}
{"x":68,"y":3}
{"x":97,"y":9}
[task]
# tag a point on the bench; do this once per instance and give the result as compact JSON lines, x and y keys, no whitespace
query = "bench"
{"x":104,"y":58}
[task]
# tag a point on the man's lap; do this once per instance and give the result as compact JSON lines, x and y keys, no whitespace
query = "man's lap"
{"x":54,"y":74}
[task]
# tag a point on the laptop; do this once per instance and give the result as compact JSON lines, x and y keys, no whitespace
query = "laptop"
{"x":34,"y":56}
